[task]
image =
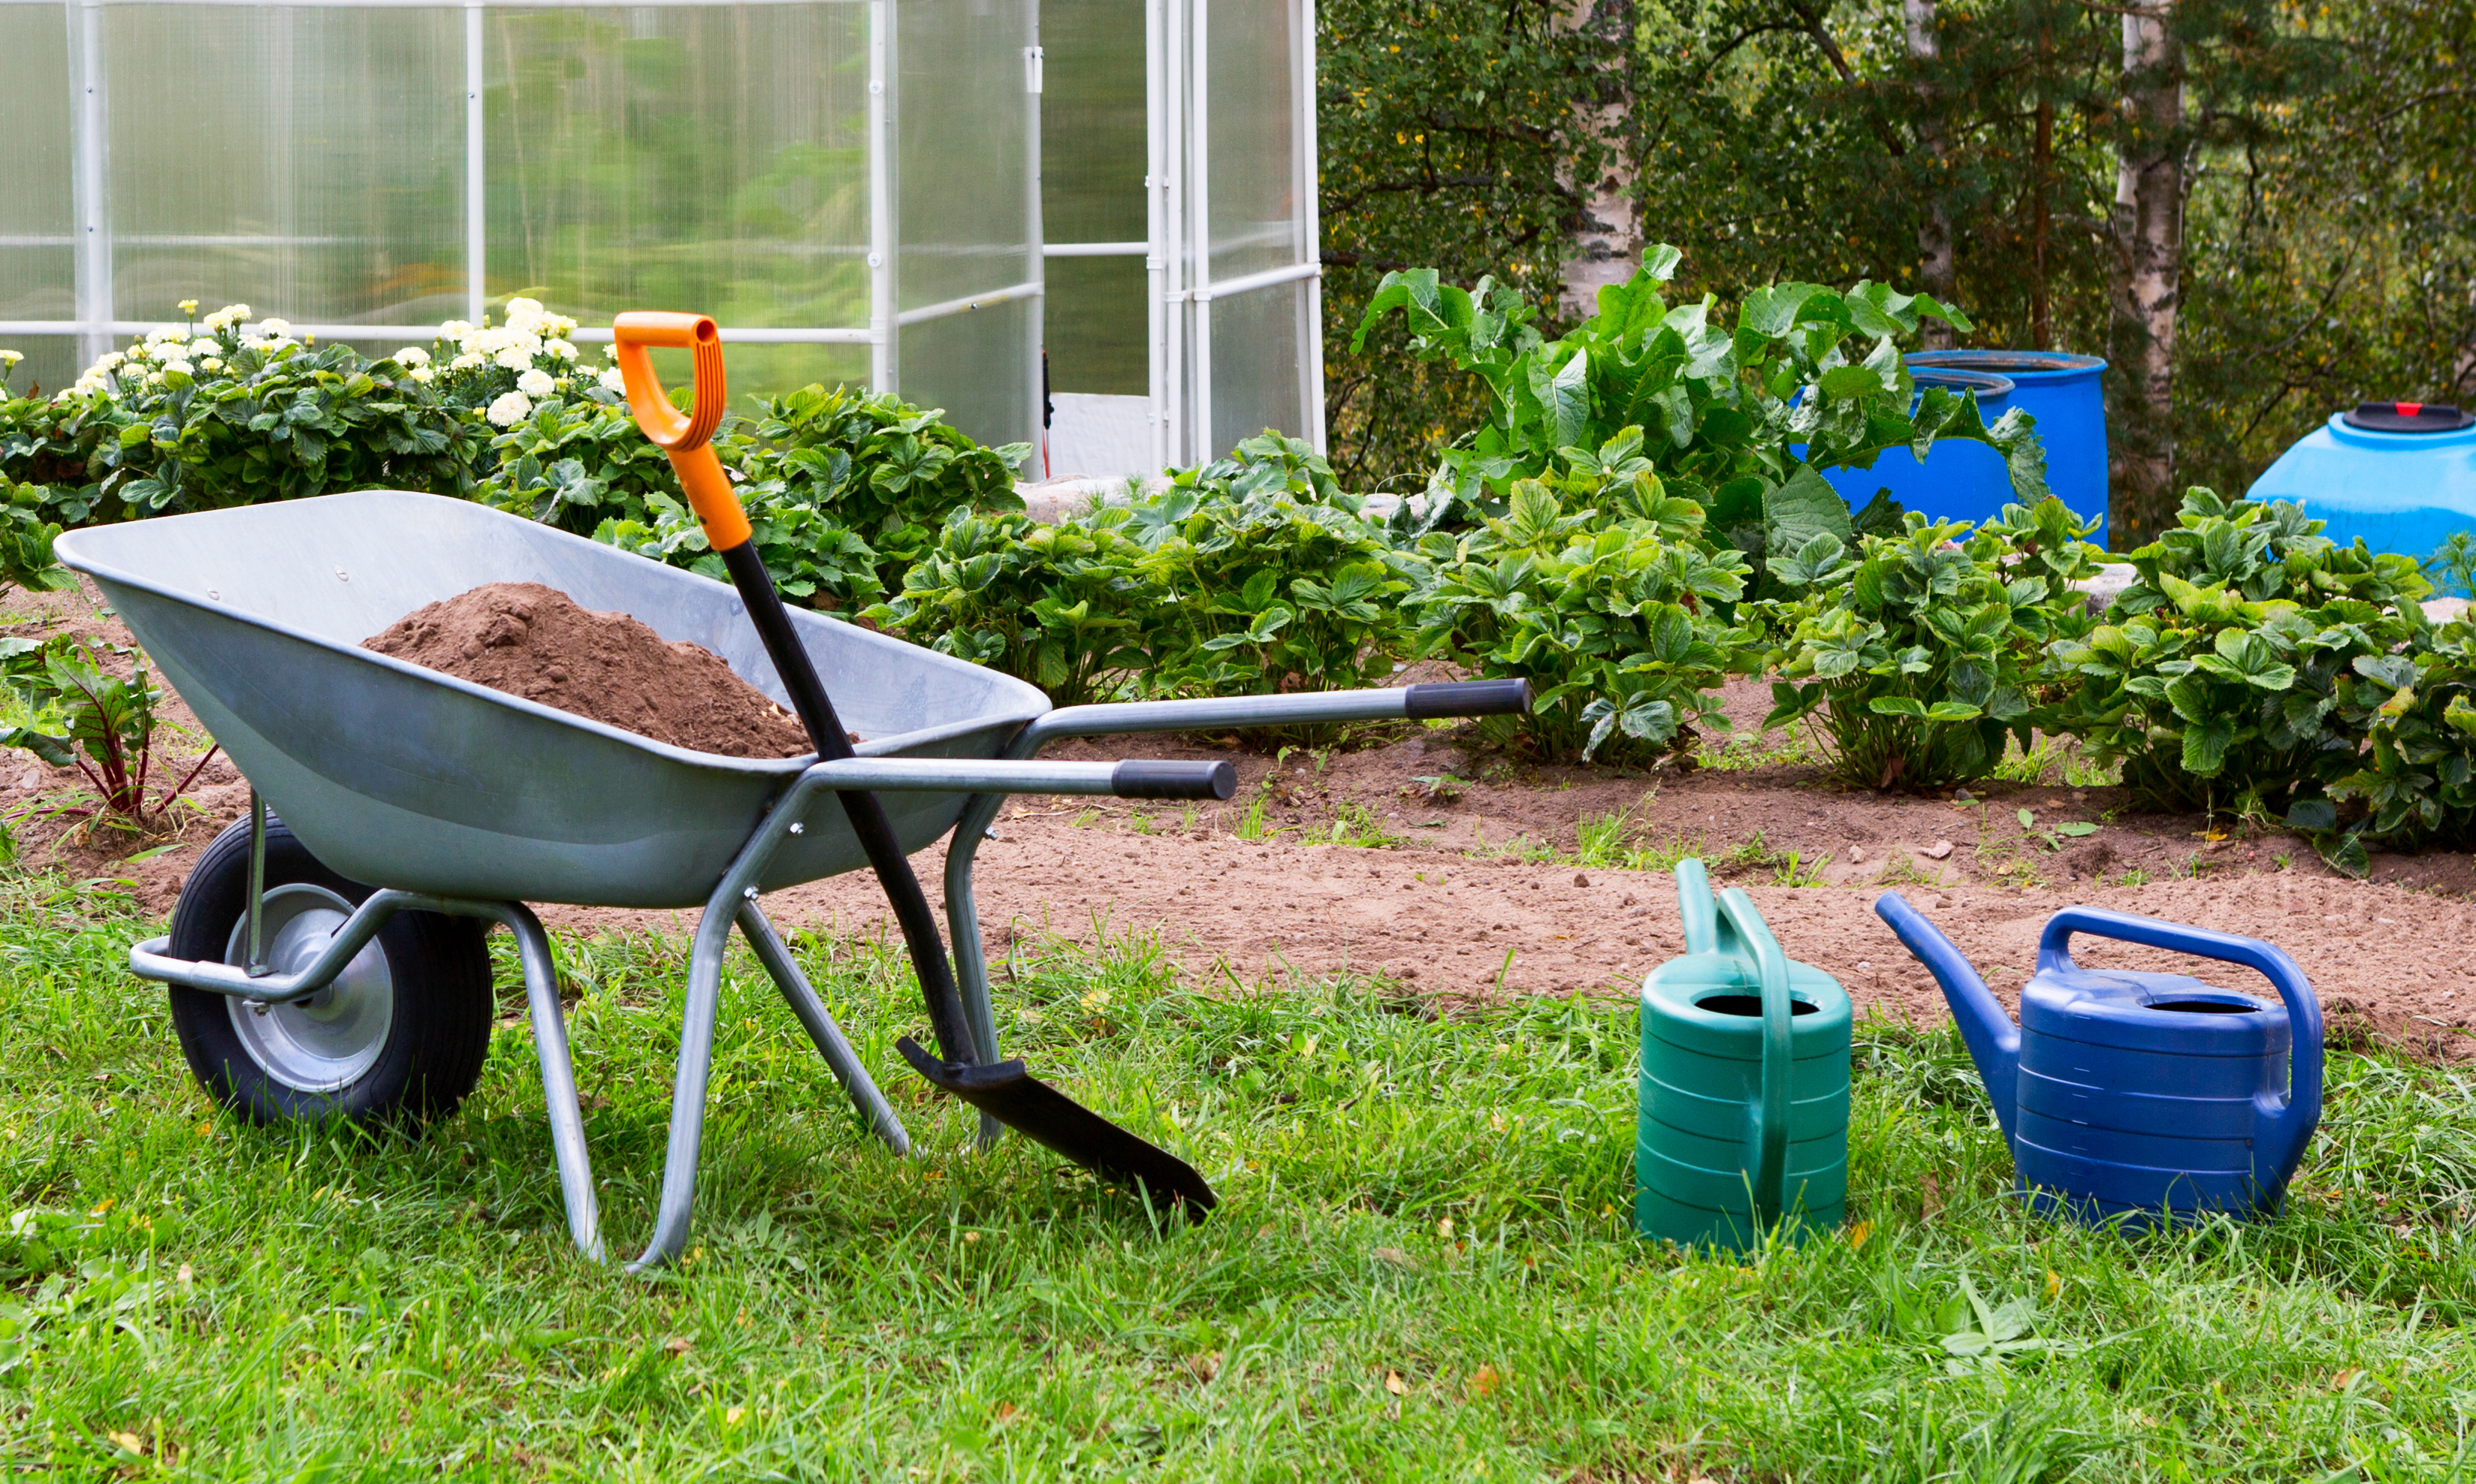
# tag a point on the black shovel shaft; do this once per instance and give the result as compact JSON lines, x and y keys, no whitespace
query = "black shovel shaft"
{"x":868,"y":821}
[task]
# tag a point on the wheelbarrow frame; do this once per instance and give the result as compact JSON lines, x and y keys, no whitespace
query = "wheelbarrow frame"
{"x":735,"y":899}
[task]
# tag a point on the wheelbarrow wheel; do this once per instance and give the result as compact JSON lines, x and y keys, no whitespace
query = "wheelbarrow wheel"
{"x":398,"y":1037}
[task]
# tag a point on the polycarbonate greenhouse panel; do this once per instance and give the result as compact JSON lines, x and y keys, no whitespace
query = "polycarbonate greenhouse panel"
{"x":690,"y":157}
{"x":1259,"y":344}
{"x":968,"y":224}
{"x":367,"y":168}
{"x":287,"y":159}
{"x":1252,"y":176}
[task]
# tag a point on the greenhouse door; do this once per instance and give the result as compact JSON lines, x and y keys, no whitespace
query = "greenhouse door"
{"x":1182,"y":309}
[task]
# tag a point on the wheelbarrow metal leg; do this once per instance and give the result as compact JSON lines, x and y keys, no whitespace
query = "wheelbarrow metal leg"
{"x":695,"y":1069}
{"x":559,"y":1077}
{"x":963,"y":926}
{"x":819,"y":1022}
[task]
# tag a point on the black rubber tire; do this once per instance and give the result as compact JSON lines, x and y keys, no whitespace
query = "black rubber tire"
{"x":439,"y":1033}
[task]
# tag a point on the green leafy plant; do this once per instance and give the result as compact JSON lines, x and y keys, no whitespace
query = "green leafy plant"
{"x":2451,"y":568}
{"x":2216,"y":679}
{"x":1618,"y":630}
{"x":26,"y":540}
{"x":2069,"y":830}
{"x":1913,"y":661}
{"x":1720,"y":409}
{"x":1272,"y":578}
{"x":85,"y":717}
{"x":1073,"y":609}
{"x":2413,"y":782}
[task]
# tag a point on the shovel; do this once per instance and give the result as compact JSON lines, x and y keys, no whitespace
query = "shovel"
{"x":1005,"y":1091}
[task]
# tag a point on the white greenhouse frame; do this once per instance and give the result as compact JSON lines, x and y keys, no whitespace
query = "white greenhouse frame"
{"x":1177,"y":187}
{"x":97,"y":324}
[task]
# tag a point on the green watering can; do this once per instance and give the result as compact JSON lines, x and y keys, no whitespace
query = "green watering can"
{"x":1745,"y":1082}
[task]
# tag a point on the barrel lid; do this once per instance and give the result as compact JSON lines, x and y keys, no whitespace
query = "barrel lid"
{"x":2020,"y":365}
{"x":2408,"y":417}
{"x":2150,"y":1012}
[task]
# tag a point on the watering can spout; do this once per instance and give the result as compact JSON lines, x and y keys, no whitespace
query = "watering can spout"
{"x":1994,"y":1042}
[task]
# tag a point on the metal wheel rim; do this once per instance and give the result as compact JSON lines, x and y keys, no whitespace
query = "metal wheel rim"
{"x":321,"y":1044}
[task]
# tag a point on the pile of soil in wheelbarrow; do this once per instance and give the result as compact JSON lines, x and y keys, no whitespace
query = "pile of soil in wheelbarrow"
{"x":537,"y":642}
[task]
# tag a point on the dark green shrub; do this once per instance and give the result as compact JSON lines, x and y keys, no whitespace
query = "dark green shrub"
{"x":1073,"y":607}
{"x":1617,"y":628}
{"x":1912,"y":661}
{"x":2217,"y":679}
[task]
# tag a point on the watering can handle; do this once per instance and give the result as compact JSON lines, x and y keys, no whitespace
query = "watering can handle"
{"x":684,"y":435}
{"x":2291,"y":1125}
{"x":1779,"y":1054}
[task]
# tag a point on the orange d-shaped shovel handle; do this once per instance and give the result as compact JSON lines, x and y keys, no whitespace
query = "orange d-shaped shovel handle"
{"x":684,"y":435}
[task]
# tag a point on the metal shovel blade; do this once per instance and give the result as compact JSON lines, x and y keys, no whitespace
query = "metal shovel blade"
{"x":1015,"y":1098}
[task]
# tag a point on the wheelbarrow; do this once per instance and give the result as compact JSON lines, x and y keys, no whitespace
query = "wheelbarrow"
{"x":326,"y":955}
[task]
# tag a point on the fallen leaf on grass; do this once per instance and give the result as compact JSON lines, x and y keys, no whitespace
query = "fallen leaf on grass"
{"x":1484,"y":1381}
{"x":1858,"y":1232}
{"x":1392,"y":1383}
{"x":128,"y":1441}
{"x":2338,"y":1383}
{"x":678,"y":1344}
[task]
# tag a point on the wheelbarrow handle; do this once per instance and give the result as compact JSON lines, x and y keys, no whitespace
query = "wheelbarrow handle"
{"x":1466,"y":698}
{"x":686,"y":436}
{"x":1133,"y":779}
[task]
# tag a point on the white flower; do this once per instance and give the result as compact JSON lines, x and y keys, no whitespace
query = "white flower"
{"x":515,"y":358}
{"x":154,"y":378}
{"x":137,"y":351}
{"x":211,"y":363}
{"x":454,"y":329}
{"x":204,"y":347}
{"x":613,"y":381}
{"x":251,"y":342}
{"x":524,"y":314}
{"x":534,"y":383}
{"x":558,"y":327}
{"x":611,"y":352}
{"x":11,"y":358}
{"x":510,"y":410}
{"x":172,"y":338}
{"x":274,"y":328}
{"x":225,"y":318}
{"x":423,"y":374}
{"x":178,"y":366}
{"x":558,"y":350}
{"x":465,"y":363}
{"x":111,"y":358}
{"x":412,"y":356}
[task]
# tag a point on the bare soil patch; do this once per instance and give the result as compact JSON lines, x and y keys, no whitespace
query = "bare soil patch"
{"x":1476,"y":891}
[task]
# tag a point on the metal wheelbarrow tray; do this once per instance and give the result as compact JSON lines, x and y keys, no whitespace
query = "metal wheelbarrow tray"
{"x":457,"y":799}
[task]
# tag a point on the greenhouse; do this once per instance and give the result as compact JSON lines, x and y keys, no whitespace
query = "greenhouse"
{"x":853,"y":188}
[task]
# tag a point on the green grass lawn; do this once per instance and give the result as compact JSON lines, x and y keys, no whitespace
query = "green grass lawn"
{"x":1421,"y":1267}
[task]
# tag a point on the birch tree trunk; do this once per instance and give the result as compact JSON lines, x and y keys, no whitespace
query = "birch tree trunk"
{"x":1938,"y":271}
{"x":1607,"y":248}
{"x":2150,"y":246}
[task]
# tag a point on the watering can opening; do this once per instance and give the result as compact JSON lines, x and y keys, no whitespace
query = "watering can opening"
{"x":2205,"y":1008}
{"x":1749,"y":1005}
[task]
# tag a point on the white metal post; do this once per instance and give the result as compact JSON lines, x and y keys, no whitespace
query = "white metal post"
{"x":1157,"y":246}
{"x":1199,"y":229}
{"x":1310,"y":228}
{"x":90,"y":185}
{"x":884,"y":364}
{"x":1165,"y":139}
{"x":1037,"y":265}
{"x":477,"y":195}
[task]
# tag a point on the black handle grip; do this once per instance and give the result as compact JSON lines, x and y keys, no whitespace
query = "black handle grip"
{"x":1467,"y":698}
{"x":1139,"y":779}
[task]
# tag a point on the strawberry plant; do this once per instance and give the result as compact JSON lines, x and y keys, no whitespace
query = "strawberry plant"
{"x":2217,"y":680}
{"x":1073,"y":609}
{"x":26,"y":540}
{"x":1912,"y":661}
{"x":2413,"y":782}
{"x":1272,"y":578}
{"x":1718,"y":405}
{"x":1617,"y":627}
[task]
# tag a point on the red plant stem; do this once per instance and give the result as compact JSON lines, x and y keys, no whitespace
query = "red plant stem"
{"x":184,"y":786}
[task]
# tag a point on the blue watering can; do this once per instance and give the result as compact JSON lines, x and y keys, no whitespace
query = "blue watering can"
{"x":2128,"y":1095}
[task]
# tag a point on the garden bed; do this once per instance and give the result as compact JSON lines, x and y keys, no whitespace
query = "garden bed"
{"x":1461,"y":875}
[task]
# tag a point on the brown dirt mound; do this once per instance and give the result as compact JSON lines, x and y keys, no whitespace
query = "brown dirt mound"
{"x":537,"y":642}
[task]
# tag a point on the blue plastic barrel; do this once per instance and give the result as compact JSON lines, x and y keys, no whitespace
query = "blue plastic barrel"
{"x":1958,"y":481}
{"x":2061,"y":392}
{"x":2402,"y":475}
